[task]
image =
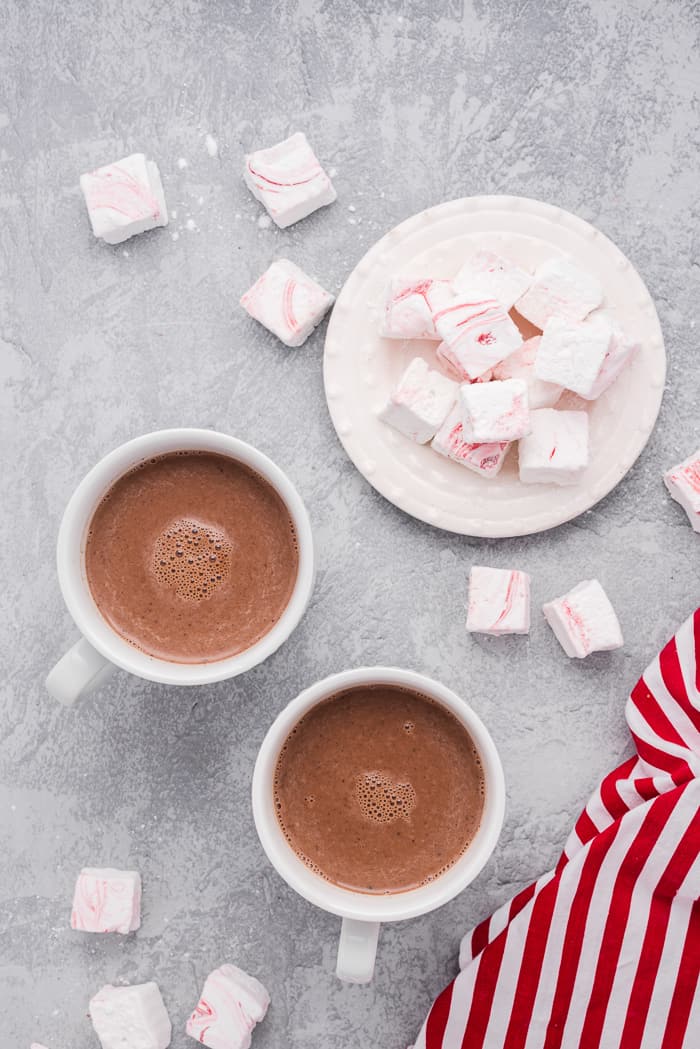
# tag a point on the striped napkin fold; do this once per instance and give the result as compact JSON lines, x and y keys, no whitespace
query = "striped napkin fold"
{"x":603,"y":952}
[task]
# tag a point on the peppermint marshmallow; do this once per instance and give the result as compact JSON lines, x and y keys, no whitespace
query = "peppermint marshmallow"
{"x":499,"y":601}
{"x":483,"y":459}
{"x":232,"y":1003}
{"x":621,"y":350}
{"x":288,"y":180}
{"x":106,"y":900}
{"x":130,"y":1017}
{"x":572,"y":353}
{"x":287,"y":302}
{"x":584,"y":621}
{"x":494,"y":411}
{"x":409,"y":305}
{"x":683,"y":483}
{"x":452,"y":365}
{"x":521,"y":365}
{"x":125,"y":198}
{"x":560,"y":289}
{"x":420,"y":402}
{"x":498,"y":278}
{"x":478,"y":332}
{"x":556,"y":451}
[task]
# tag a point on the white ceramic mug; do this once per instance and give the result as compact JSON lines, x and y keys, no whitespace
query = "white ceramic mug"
{"x":362,"y":913}
{"x":86,"y":665}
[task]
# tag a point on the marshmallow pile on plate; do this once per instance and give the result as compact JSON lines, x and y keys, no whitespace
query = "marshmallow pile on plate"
{"x":503,"y":389}
{"x":583,"y":620}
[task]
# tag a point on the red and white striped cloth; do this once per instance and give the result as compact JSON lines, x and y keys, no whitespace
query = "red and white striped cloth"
{"x":603,"y":952}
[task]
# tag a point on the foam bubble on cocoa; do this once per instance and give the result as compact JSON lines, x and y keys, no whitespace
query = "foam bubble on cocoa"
{"x":382,"y":800}
{"x":192,"y":558}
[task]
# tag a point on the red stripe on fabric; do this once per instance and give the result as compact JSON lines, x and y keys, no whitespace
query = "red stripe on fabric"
{"x":656,"y":717}
{"x":672,"y":675}
{"x":646,"y":788}
{"x":573,"y":937}
{"x":696,"y":638}
{"x":677,"y":768}
{"x":437,"y":1019}
{"x":483,"y":993}
{"x":686,"y":983}
{"x":521,"y":900}
{"x":655,"y":935}
{"x":531,"y":966}
{"x":585,"y":827}
{"x":645,"y":840}
{"x":480,"y":937}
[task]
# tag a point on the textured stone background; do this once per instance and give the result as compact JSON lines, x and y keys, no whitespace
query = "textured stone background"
{"x":590,"y":105}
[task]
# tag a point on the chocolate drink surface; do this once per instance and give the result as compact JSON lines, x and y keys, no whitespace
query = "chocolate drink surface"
{"x":192,"y":557}
{"x":379,"y":789}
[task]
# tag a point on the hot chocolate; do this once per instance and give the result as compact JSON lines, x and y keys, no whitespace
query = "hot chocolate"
{"x":192,"y":557}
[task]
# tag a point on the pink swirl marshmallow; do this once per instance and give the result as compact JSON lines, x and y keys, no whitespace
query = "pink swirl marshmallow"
{"x":231,"y":1004}
{"x":420,"y":402}
{"x":584,"y":621}
{"x":130,"y":1017}
{"x":287,"y":302}
{"x":107,"y":900}
{"x":125,"y":198}
{"x":477,"y":332}
{"x":494,"y":411}
{"x":288,"y":180}
{"x":499,"y":601}
{"x":483,"y":459}
{"x":494,"y":276}
{"x":572,"y":353}
{"x":409,"y":306}
{"x":560,"y":289}
{"x":683,"y":484}
{"x":556,"y":449}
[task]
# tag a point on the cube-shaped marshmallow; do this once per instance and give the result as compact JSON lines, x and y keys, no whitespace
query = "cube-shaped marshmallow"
{"x":494,"y":411}
{"x":287,"y":302}
{"x":477,"y":331}
{"x":288,"y":180}
{"x":127,"y":1017}
{"x":560,"y":289}
{"x":125,"y":198}
{"x":484,"y":459}
{"x":409,"y":306}
{"x":621,"y":350}
{"x":584,"y":621}
{"x":420,"y":403}
{"x":521,"y":365}
{"x":106,"y":900}
{"x":232,"y":1003}
{"x":496,"y":277}
{"x":683,"y":482}
{"x":499,"y":601}
{"x":556,"y":451}
{"x":571,"y":353}
{"x":451,"y":364}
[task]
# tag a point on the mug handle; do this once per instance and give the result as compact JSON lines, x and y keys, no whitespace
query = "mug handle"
{"x":357,"y":951}
{"x":79,"y":672}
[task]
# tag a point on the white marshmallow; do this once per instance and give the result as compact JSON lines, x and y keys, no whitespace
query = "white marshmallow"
{"x":452,"y":365}
{"x":287,"y":302}
{"x":124,"y":198}
{"x":409,"y":305}
{"x":683,"y":483}
{"x":477,"y":331}
{"x":560,"y":289}
{"x":106,"y":900}
{"x":231,"y":1004}
{"x":498,"y":278}
{"x":621,"y":350}
{"x":484,"y":459}
{"x":494,"y":411}
{"x":499,"y":601}
{"x":556,"y":451}
{"x":288,"y":180}
{"x":521,"y":365}
{"x":130,"y":1017}
{"x":571,"y":353}
{"x":584,"y":621}
{"x":420,"y":402}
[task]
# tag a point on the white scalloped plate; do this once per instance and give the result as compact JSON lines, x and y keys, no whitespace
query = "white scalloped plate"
{"x":360,"y":368}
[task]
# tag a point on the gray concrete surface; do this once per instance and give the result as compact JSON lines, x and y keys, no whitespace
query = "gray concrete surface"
{"x":589,"y":104}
